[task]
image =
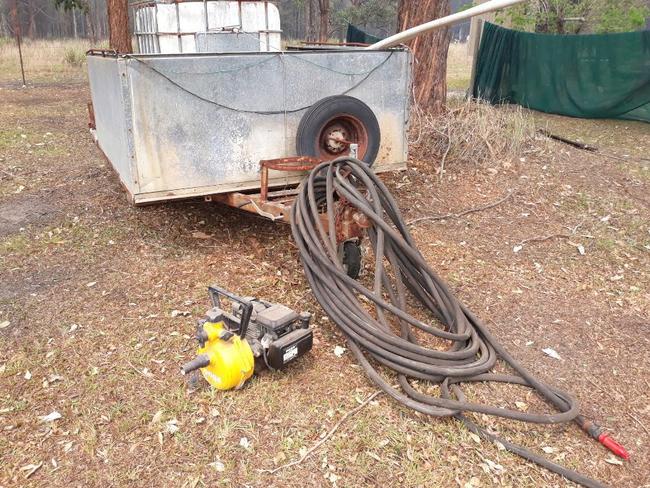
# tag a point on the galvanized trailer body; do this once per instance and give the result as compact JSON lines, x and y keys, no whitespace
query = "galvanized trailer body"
{"x":188,"y":125}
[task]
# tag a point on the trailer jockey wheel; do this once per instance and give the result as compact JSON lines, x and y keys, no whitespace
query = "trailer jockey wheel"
{"x":330,"y":125}
{"x":350,"y":256}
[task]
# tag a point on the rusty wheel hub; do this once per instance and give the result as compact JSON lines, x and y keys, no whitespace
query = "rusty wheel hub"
{"x":336,"y":140}
{"x":337,"y":135}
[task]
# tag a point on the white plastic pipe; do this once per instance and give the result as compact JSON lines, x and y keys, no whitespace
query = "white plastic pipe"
{"x":409,"y":34}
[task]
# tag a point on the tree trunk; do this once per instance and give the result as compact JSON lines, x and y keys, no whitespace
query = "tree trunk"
{"x":4,"y":31}
{"x":31,"y":25}
{"x":74,"y":22}
{"x":429,"y":51}
{"x":310,"y":28}
{"x":323,"y":31}
{"x":119,"y":37}
{"x":90,"y":31}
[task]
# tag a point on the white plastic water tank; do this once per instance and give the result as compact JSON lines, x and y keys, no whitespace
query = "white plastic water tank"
{"x":170,"y":27}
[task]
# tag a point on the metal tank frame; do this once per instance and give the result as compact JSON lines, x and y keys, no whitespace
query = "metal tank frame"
{"x":189,"y":26}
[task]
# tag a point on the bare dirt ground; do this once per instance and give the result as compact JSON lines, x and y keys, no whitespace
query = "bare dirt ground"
{"x":88,"y":284}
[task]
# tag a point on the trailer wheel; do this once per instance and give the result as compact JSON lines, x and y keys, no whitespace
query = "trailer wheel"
{"x":331,"y":124}
{"x":350,"y":256}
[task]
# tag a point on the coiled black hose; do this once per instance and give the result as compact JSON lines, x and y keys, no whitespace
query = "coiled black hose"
{"x":400,"y":268}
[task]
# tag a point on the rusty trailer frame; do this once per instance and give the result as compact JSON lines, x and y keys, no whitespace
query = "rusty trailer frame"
{"x":350,"y":224}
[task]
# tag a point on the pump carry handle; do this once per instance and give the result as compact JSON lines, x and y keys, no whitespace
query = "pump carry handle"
{"x":216,"y":292}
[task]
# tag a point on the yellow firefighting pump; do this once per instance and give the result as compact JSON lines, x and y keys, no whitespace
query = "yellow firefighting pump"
{"x":256,"y":334}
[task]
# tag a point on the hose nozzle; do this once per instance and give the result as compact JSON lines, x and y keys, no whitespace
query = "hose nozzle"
{"x":613,"y":446}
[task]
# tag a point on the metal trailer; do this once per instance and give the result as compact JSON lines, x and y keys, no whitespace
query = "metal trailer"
{"x":243,"y":127}
{"x":198,"y":125}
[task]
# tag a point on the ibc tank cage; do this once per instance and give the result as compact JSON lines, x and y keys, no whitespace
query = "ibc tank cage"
{"x":191,"y":26}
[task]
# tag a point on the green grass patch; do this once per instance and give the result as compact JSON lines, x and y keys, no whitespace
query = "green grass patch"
{"x":15,"y":244}
{"x":10,"y":138}
{"x":74,"y":56}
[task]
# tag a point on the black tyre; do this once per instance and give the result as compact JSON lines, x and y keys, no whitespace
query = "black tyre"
{"x":329,"y":125}
{"x":350,"y":255}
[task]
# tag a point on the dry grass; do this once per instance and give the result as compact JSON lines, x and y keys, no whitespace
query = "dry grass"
{"x":70,"y":226}
{"x":44,"y":60}
{"x":459,"y":66}
{"x":58,"y":59}
{"x":473,"y":133}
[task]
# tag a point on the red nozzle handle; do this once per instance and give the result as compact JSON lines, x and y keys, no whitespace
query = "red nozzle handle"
{"x":613,"y":446}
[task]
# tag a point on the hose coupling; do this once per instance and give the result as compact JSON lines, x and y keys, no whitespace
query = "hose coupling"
{"x":598,"y":433}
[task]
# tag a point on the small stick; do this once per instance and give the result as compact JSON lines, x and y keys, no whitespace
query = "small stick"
{"x":639,"y":422}
{"x":150,"y":376}
{"x":544,"y":238}
{"x":579,"y":145}
{"x":444,"y":156}
{"x":16,"y":28}
{"x":327,"y":436}
{"x":552,"y":236}
{"x":463,"y":213}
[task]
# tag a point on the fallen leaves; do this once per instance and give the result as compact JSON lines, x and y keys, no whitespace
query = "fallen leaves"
{"x":171,"y":426}
{"x":473,"y":482}
{"x":180,"y":313}
{"x":217,"y":466}
{"x":523,"y":406}
{"x":30,"y":469}
{"x":373,"y":456}
{"x":280,"y":458}
{"x":50,"y":417}
{"x":157,"y":417}
{"x":613,"y":460}
{"x":245,"y":443}
{"x":552,"y":353}
{"x":490,"y":466}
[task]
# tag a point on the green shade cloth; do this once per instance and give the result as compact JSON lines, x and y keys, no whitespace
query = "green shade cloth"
{"x":355,"y":34}
{"x":590,"y":76}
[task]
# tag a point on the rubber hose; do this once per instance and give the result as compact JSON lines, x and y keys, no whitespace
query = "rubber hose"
{"x":385,"y":336}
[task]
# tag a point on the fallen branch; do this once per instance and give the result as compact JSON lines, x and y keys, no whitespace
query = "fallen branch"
{"x":325,"y":438}
{"x":463,"y":213}
{"x":554,"y":236}
{"x":576,"y":144}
